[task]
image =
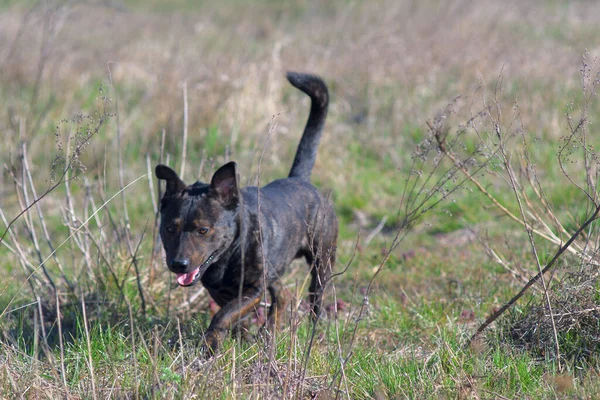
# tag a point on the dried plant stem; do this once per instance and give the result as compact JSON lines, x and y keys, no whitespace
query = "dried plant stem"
{"x":339,"y":350}
{"x":134,"y":261}
{"x":133,"y":350}
{"x":180,"y":337}
{"x":365,"y":303}
{"x":34,"y":271}
{"x":46,"y":347}
{"x":128,"y":238}
{"x":101,"y":253}
{"x":89,"y":347}
{"x":27,"y":266}
{"x":376,"y":231}
{"x":441,"y":142}
{"x":537,"y":277}
{"x":63,"y":177}
{"x":272,"y":125}
{"x":188,"y":303}
{"x":62,"y":346}
{"x":185,"y":131}
{"x":551,"y":238}
{"x":92,"y":203}
{"x":23,"y":211}
{"x":514,"y":186}
{"x":155,"y":241}
{"x":155,"y":207}
{"x":28,"y":221}
{"x":152,"y":359}
{"x":151,"y":184}
{"x":41,"y":217}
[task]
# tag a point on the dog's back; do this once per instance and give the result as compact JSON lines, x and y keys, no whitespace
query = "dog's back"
{"x":295,"y":220}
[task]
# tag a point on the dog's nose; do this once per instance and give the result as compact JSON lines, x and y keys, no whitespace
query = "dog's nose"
{"x":179,"y":265}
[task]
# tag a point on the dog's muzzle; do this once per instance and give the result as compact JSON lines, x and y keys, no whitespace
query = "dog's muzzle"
{"x":190,"y":278}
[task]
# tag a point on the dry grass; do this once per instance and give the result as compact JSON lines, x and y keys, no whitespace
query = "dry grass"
{"x":391,"y":61}
{"x":576,"y":313}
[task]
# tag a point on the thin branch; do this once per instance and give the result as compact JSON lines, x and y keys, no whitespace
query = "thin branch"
{"x":533,"y":280}
{"x":185,"y":130}
{"x":63,"y":243}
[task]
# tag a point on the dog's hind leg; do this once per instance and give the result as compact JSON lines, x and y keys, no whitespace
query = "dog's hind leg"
{"x":243,"y":329}
{"x":279,"y":301}
{"x":322,"y":265}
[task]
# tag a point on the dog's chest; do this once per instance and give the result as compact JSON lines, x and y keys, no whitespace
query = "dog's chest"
{"x":223,"y":295}
{"x":217,"y":276}
{"x":221,"y":275}
{"x":222,"y":282}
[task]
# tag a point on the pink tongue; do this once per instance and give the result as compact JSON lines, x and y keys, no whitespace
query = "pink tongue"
{"x":186,"y":279}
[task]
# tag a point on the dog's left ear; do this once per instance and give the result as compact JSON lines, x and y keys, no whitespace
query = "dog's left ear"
{"x":174,"y":183}
{"x":224,"y":185}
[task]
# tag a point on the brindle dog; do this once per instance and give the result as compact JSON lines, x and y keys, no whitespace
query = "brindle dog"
{"x":239,"y":242}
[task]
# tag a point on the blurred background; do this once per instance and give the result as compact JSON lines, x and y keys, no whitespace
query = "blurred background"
{"x":391,"y":66}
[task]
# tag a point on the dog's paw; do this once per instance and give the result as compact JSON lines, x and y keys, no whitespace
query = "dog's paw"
{"x":267,"y":334}
{"x":212,"y":342}
{"x":202,"y":363}
{"x":244,"y":334}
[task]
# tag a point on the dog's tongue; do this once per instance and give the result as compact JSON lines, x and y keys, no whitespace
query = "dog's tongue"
{"x":186,"y":279}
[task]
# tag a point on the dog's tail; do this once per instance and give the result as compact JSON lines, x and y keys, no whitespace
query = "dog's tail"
{"x":307,"y":149}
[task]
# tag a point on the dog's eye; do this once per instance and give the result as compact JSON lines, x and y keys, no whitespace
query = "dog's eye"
{"x":170,"y":229}
{"x":202,"y":231}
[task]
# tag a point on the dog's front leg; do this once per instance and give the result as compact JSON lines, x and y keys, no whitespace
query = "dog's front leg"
{"x":229,"y":315}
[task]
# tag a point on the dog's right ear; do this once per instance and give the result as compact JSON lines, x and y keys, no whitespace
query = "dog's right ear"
{"x":224,"y":185}
{"x":174,"y":183}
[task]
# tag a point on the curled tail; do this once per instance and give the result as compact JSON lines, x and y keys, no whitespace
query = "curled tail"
{"x":307,"y":149}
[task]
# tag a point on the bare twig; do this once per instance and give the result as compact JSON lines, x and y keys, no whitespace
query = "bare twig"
{"x":471,"y":177}
{"x":185,"y":131}
{"x":62,"y":244}
{"x":537,"y":277}
{"x":376,"y":231}
{"x":61,"y":345}
{"x":516,"y":192}
{"x":89,"y":347}
{"x":155,"y":241}
{"x":42,"y":219}
{"x":71,"y":161}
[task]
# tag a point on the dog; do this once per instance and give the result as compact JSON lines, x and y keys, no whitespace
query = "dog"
{"x":239,"y":241}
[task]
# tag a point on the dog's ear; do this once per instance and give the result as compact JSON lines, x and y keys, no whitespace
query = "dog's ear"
{"x":174,"y":183}
{"x":224,"y":184}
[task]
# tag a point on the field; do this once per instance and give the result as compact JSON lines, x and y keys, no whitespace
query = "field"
{"x":458,"y":151}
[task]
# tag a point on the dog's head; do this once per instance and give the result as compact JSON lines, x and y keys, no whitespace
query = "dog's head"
{"x":198,"y":222}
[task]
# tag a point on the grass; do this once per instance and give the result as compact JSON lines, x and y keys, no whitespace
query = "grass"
{"x":394,"y":70}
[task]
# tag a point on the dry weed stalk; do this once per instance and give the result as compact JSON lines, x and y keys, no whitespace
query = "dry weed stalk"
{"x":529,"y":214}
{"x":121,"y":170}
{"x":71,"y":163}
{"x":67,"y":240}
{"x":425,"y":188}
{"x":89,"y":360}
